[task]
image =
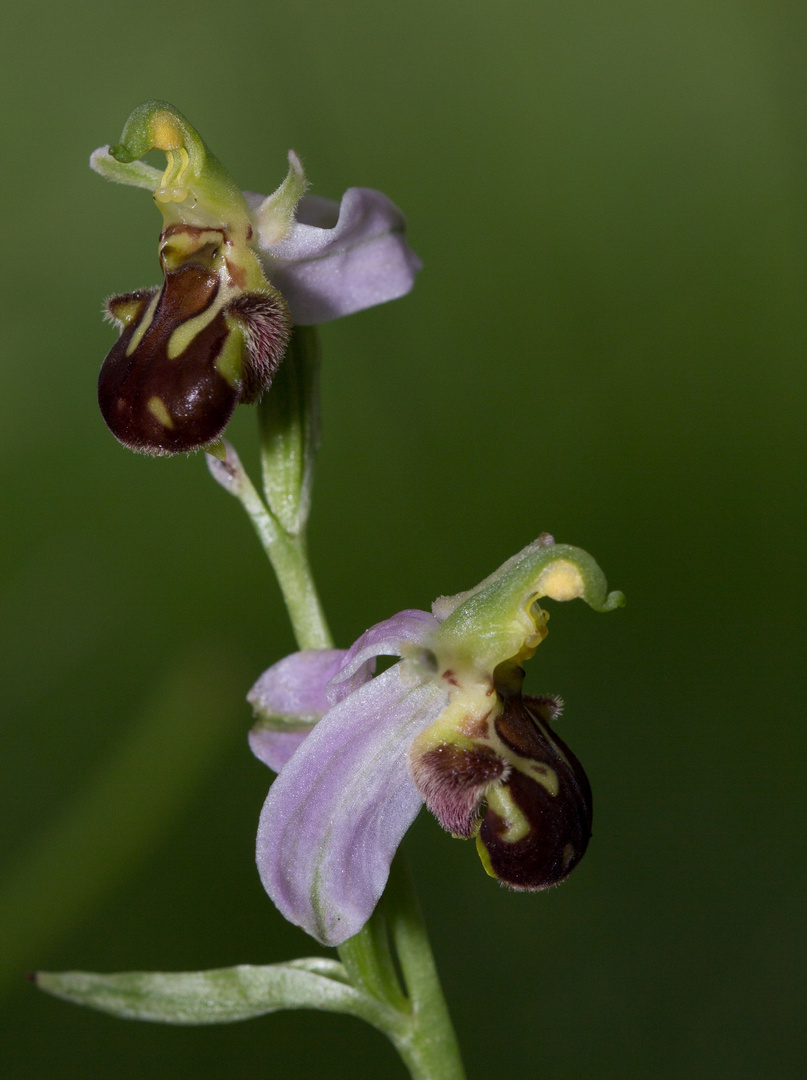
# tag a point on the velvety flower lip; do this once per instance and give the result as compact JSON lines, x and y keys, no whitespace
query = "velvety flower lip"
{"x":447,"y":725}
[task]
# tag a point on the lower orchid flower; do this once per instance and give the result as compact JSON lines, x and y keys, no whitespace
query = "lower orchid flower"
{"x":447,"y":725}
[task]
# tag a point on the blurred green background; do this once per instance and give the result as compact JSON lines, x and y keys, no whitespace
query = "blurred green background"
{"x":607,"y":342}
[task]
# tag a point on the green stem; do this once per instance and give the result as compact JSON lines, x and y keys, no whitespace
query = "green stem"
{"x":289,"y":423}
{"x":367,"y":957}
{"x":289,"y":558}
{"x":429,"y":1046}
{"x":288,"y":418}
{"x":290,"y":563}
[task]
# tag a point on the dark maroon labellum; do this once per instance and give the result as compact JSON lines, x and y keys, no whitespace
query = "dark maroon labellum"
{"x":559,"y":824}
{"x":190,"y":352}
{"x":157,"y":404}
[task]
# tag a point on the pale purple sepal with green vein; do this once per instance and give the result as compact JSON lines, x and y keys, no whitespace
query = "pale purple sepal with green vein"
{"x":288,"y":699}
{"x":340,"y":807}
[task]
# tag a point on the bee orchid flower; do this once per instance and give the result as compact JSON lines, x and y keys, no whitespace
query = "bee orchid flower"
{"x":357,"y":755}
{"x":239,"y":269}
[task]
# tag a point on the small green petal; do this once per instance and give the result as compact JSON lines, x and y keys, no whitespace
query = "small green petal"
{"x":275,"y":215}
{"x":133,"y":173}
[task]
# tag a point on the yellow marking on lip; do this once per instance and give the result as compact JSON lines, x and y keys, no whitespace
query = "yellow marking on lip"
{"x":156,"y":406}
{"x":516,"y":825}
{"x":182,"y":338}
{"x":126,"y":313}
{"x":182,"y":244}
{"x":144,"y":324}
{"x":482,"y":851}
{"x":544,"y":775}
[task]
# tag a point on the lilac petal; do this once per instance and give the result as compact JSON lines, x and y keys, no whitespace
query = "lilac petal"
{"x":274,"y":748}
{"x":293,"y":689}
{"x":335,"y":264}
{"x":337,"y":812}
{"x":386,"y":638}
{"x":288,"y":699}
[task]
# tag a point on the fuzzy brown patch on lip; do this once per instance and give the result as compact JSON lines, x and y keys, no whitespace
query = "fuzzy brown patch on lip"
{"x":453,"y":780}
{"x":266,"y":326}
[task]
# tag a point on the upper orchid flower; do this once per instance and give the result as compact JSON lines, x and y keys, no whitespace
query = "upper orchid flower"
{"x":447,"y":725}
{"x":238,"y":270}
